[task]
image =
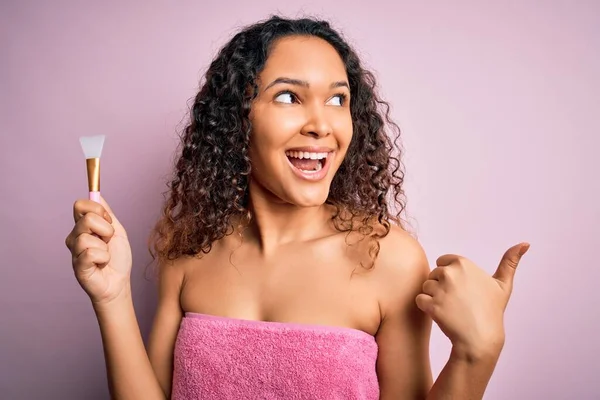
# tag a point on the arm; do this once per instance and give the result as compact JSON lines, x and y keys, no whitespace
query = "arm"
{"x":161,"y":343}
{"x":465,"y":376}
{"x":403,"y":364}
{"x":133,"y":373}
{"x":130,"y":375}
{"x":102,"y":260}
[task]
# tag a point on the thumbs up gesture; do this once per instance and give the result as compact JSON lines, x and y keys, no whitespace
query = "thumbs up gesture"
{"x":467,"y":303}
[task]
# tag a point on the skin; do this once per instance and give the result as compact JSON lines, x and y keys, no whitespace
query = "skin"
{"x":291,"y":246}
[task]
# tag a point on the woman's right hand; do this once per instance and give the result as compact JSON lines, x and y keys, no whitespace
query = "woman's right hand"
{"x":101,"y":253}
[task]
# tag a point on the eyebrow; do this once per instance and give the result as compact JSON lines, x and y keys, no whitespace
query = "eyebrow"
{"x":298,"y":82}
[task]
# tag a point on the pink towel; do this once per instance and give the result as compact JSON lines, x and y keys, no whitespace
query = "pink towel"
{"x":227,"y":358}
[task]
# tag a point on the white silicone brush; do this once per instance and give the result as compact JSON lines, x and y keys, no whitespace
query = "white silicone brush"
{"x":92,"y":148}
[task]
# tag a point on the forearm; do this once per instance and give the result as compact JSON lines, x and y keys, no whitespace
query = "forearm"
{"x":130,"y":374}
{"x":465,"y":375}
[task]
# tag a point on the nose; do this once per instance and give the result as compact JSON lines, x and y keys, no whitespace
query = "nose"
{"x":316,"y":124}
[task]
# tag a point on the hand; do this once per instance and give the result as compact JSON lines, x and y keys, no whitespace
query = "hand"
{"x":467,"y":304}
{"x":101,"y":252}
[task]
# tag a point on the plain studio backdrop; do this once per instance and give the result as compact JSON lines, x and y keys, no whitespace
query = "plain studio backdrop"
{"x":498,"y":105}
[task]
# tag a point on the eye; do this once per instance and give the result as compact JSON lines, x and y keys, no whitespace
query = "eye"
{"x":286,"y":98}
{"x":341,"y":99}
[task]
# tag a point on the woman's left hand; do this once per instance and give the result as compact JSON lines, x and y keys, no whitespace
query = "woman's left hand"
{"x":468,"y":304}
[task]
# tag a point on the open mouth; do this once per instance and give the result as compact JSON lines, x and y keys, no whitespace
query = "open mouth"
{"x":310,"y":165}
{"x":307,"y":162}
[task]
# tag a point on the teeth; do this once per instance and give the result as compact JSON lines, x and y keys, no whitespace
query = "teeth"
{"x":306,"y":155}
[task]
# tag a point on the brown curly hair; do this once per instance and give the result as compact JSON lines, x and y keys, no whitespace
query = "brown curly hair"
{"x":210,"y":183}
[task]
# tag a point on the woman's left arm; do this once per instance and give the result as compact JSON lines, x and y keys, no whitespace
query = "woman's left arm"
{"x":467,"y":304}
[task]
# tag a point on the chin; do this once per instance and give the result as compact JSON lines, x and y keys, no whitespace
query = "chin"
{"x":312,"y":197}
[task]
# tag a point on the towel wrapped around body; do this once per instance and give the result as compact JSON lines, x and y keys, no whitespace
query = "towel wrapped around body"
{"x":228,"y":358}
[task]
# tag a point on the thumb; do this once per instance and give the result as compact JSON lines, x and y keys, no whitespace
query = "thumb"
{"x":119,"y":230}
{"x":509,"y":263}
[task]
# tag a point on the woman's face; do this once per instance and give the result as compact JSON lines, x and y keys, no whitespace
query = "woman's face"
{"x":301,"y":122}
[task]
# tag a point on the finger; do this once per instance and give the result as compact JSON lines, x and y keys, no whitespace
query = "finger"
{"x":431,"y":287}
{"x":93,"y":224}
{"x":104,"y":204}
{"x":509,"y":263}
{"x":90,"y":259}
{"x":87,"y":241}
{"x":447,"y":259}
{"x":425,"y":303}
{"x":438,"y":274}
{"x":85,"y":206}
{"x":119,"y":229}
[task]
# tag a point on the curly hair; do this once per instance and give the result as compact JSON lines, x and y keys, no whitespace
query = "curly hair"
{"x":212,"y":171}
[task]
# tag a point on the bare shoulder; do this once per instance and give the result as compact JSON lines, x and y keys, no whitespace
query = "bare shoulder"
{"x":399,"y":247}
{"x":401,"y":269}
{"x":172,"y":273}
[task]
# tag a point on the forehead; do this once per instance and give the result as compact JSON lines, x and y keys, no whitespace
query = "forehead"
{"x":304,"y":57}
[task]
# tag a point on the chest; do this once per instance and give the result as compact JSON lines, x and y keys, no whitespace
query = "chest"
{"x":312,"y":284}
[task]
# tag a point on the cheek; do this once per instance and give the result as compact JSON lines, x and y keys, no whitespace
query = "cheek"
{"x":274,"y":129}
{"x":344,"y":129}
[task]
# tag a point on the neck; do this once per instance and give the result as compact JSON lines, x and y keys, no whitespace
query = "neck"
{"x":275,"y":222}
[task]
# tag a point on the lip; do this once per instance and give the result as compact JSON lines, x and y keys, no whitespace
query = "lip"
{"x":312,"y":149}
{"x":314,"y":176}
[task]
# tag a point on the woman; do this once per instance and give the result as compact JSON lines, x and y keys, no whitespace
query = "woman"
{"x":284,"y":272}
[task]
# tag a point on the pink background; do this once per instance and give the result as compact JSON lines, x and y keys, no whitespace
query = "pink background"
{"x":499,"y":109}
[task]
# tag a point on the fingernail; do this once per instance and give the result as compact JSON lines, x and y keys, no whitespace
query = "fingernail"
{"x":524,"y":248}
{"x":108,"y":218}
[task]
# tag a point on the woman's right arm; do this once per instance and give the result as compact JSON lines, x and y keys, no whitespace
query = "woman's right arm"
{"x":102,"y":265}
{"x":130,"y":373}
